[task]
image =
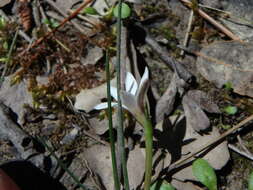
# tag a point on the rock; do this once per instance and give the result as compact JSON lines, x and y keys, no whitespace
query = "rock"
{"x":94,"y":54}
{"x":224,"y":62}
{"x":241,"y":16}
{"x":15,"y":97}
{"x":66,"y":5}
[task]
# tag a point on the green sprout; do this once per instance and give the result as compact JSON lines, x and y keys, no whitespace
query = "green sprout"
{"x":52,"y":23}
{"x":90,"y":11}
{"x":228,"y":86}
{"x":230,"y":110}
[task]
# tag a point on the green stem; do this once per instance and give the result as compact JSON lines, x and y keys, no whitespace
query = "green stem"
{"x":112,"y":141}
{"x":120,"y":131}
{"x":9,"y":56}
{"x":148,"y":131}
{"x":62,"y":165}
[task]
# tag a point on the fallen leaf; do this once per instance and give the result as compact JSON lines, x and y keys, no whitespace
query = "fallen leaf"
{"x":203,"y":100}
{"x":87,"y":99}
{"x":195,"y":116}
{"x":4,"y":2}
{"x":165,"y":104}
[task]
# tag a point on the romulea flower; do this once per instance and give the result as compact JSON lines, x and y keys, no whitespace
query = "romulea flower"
{"x":132,"y":97}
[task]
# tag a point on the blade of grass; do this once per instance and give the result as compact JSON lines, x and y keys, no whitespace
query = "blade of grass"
{"x":9,"y":56}
{"x":120,"y":131}
{"x":111,"y":134}
{"x":62,"y":165}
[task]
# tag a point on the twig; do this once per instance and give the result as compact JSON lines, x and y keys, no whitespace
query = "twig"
{"x":243,"y":153}
{"x":205,"y":146}
{"x":75,"y":24}
{"x":171,"y":62}
{"x":73,"y":15}
{"x":188,"y":30}
{"x":212,"y":21}
{"x":120,"y":130}
{"x":242,"y":145}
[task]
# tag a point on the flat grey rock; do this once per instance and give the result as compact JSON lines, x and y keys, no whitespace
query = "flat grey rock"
{"x":15,"y":97}
{"x":241,"y":16}
{"x":232,"y":62}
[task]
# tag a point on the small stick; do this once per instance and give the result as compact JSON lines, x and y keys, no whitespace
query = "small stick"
{"x":243,"y":153}
{"x":70,"y":17}
{"x":214,"y":22}
{"x":187,"y":34}
{"x":205,"y":146}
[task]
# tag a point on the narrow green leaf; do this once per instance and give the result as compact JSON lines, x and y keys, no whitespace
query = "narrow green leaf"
{"x":125,"y":11}
{"x":250,"y":181}
{"x":230,"y":110}
{"x":204,"y":173}
{"x":90,"y":11}
{"x":162,"y":185}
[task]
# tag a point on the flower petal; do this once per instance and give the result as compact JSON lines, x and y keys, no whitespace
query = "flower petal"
{"x":144,"y":77}
{"x":114,"y":93}
{"x":129,"y":102}
{"x":143,"y":88}
{"x":104,"y":105}
{"x":131,"y":84}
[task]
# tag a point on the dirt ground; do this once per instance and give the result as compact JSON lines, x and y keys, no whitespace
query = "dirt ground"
{"x":52,"y":66}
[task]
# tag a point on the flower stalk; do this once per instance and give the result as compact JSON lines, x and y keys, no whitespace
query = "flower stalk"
{"x":110,"y":123}
{"x":148,"y":132}
{"x":120,"y":131}
{"x":133,"y":100}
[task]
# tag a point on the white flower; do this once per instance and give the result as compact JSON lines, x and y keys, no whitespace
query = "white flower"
{"x":133,"y":96}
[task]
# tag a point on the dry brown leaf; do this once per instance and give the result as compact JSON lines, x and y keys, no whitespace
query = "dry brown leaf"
{"x":195,"y":116}
{"x":87,"y":99}
{"x":4,"y":2}
{"x":165,"y":104}
{"x":203,"y":101}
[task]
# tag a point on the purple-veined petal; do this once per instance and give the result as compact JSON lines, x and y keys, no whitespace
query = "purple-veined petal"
{"x":114,"y":93}
{"x":104,"y":105}
{"x":131,"y":84}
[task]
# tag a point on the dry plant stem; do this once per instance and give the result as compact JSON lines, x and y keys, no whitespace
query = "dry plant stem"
{"x":171,"y":62}
{"x":243,"y":153}
{"x":188,"y":31}
{"x":110,"y":123}
{"x":242,"y":145}
{"x":75,"y":24}
{"x":205,"y":146}
{"x":8,"y":57}
{"x":212,"y":21}
{"x":120,"y":131}
{"x":73,"y":15}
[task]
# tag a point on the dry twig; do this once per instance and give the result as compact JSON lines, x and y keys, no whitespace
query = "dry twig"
{"x":212,"y":21}
{"x":212,"y":142}
{"x":69,"y":18}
